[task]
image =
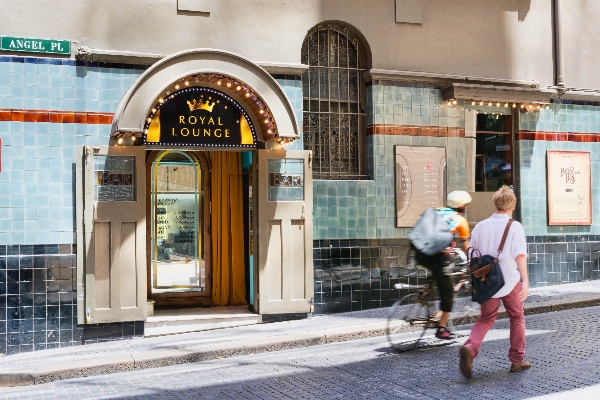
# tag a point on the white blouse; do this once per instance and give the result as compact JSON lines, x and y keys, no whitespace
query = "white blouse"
{"x":486,"y":237}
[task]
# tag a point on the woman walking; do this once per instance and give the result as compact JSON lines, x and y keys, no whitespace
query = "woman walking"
{"x":486,"y":237}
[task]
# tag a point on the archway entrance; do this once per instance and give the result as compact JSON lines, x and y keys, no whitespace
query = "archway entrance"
{"x":168,"y":176}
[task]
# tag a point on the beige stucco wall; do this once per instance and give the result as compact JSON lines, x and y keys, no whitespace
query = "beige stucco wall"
{"x":508,"y":39}
{"x":581,"y":43}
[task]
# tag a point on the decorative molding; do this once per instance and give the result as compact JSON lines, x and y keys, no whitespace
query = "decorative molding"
{"x":59,"y":117}
{"x":283,"y":68}
{"x":411,"y":130}
{"x":495,"y":93}
{"x":87,"y":54}
{"x":416,"y":76}
{"x":583,"y":137}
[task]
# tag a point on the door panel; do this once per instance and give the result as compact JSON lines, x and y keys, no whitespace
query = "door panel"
{"x":285,"y":263}
{"x":111,"y":258}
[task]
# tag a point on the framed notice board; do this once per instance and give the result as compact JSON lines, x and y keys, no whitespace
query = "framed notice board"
{"x":420,"y":181}
{"x":569,"y":188}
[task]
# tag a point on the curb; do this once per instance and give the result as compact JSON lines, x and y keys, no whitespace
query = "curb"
{"x":163,"y":358}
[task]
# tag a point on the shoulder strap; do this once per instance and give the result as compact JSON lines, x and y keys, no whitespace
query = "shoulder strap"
{"x":510,"y":221}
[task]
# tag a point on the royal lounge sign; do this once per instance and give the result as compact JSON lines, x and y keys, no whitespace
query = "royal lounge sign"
{"x":199,"y":116}
{"x":29,"y":45}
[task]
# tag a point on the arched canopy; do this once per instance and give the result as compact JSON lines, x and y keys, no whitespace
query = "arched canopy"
{"x":159,"y":78}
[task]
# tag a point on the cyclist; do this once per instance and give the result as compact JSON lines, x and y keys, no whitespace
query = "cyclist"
{"x":439,"y":264}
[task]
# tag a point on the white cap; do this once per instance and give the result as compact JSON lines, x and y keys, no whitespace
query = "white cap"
{"x":458,"y":198}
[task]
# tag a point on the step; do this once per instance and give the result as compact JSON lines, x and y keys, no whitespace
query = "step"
{"x":169,"y":322}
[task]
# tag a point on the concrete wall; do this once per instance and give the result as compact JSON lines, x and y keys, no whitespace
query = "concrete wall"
{"x":509,"y":39}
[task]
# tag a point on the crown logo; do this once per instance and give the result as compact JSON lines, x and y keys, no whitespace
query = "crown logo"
{"x":201,"y":105}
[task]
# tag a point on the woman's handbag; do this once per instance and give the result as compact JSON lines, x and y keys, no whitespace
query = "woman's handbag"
{"x":486,"y":274}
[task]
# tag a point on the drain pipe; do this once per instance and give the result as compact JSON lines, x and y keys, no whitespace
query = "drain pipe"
{"x":559,"y":62}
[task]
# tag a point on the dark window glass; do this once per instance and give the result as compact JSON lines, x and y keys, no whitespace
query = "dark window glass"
{"x":494,"y":152}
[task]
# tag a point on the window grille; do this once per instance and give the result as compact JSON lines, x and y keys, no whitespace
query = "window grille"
{"x":333,"y":122}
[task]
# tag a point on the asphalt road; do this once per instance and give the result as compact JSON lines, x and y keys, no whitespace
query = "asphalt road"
{"x":563,"y":347}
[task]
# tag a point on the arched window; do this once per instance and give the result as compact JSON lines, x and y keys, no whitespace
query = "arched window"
{"x":333,"y":123}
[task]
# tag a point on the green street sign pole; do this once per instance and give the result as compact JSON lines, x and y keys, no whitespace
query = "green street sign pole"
{"x":30,"y":45}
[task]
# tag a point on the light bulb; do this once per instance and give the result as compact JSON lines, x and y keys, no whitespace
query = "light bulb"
{"x":497,"y":104}
{"x":120,"y":140}
{"x":133,"y":138}
{"x":454,"y":102}
{"x":238,"y":88}
{"x":481,"y":103}
{"x":514,"y":105}
{"x":161,"y":100}
{"x":247,"y":94}
{"x":522,"y":105}
{"x":547,"y":106}
{"x":530,"y":106}
{"x":449,"y":103}
{"x":187,"y":83}
{"x":506,"y":105}
{"x":490,"y":104}
{"x":473,"y":103}
{"x":262,"y":111}
{"x":228,"y":84}
{"x":176,"y":87}
{"x":219,"y":83}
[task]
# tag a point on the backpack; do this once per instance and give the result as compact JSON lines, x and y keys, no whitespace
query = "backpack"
{"x":431,"y":233}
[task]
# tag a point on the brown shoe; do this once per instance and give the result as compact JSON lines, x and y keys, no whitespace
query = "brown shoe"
{"x":466,"y":362}
{"x":519,"y":366}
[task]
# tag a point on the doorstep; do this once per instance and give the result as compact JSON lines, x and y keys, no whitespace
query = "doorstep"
{"x":184,"y":320}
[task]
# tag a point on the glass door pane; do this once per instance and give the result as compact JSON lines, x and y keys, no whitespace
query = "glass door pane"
{"x":177,"y":221}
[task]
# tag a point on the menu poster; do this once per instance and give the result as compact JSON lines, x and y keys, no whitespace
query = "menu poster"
{"x":420,"y":181}
{"x":569,"y":188}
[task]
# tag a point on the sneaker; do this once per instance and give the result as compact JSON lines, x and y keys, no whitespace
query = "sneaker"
{"x":520,"y":366}
{"x":443,"y":333}
{"x":466,"y":362}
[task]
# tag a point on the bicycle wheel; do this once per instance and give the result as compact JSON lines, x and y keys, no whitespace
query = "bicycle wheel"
{"x":408,"y":319}
{"x":465,"y":312}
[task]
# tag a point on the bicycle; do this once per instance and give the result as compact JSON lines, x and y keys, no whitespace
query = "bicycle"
{"x":417,"y":312}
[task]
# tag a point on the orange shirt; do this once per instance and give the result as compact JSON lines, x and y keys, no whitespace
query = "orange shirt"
{"x":462,"y":229}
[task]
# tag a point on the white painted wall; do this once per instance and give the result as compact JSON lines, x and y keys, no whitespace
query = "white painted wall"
{"x":509,"y":39}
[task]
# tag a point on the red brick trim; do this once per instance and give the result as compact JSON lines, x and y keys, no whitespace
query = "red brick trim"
{"x":57,"y":117}
{"x":558,"y":136}
{"x":410,"y":130}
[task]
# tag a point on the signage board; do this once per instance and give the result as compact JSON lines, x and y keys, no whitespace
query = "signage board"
{"x":31,"y":45}
{"x":420,"y":181}
{"x":199,"y":116}
{"x":569,"y":188}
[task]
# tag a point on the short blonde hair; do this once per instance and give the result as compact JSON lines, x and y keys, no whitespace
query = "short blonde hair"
{"x":504,"y":199}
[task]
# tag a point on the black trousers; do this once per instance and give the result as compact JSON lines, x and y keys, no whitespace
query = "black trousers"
{"x":436,"y":265}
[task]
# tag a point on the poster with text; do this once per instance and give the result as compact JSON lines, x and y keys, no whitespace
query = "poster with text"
{"x":420,"y":181}
{"x":569,"y":188}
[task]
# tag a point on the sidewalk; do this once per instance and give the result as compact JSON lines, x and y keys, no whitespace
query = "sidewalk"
{"x":125,"y":355}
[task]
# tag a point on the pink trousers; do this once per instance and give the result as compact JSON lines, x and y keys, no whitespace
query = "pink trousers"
{"x":489,"y":312}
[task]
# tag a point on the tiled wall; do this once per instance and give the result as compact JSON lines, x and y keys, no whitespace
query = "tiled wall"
{"x":366,"y":209}
{"x":292,"y":87}
{"x":38,"y":305}
{"x":37,"y":178}
{"x":531,"y":157}
{"x":558,"y":259}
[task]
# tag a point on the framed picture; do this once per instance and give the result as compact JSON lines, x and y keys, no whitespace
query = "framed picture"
{"x":569,"y":187}
{"x":420,"y":181}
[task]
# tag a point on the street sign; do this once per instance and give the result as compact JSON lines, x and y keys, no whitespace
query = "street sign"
{"x":51,"y":46}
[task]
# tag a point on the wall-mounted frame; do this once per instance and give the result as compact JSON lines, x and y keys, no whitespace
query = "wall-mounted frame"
{"x":569,"y":188}
{"x":420,"y":181}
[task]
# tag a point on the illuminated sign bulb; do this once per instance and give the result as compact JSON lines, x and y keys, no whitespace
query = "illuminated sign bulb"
{"x":176,"y":87}
{"x":262,"y":111}
{"x":228,"y":84}
{"x":187,"y":83}
{"x":219,"y":83}
{"x":238,"y":88}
